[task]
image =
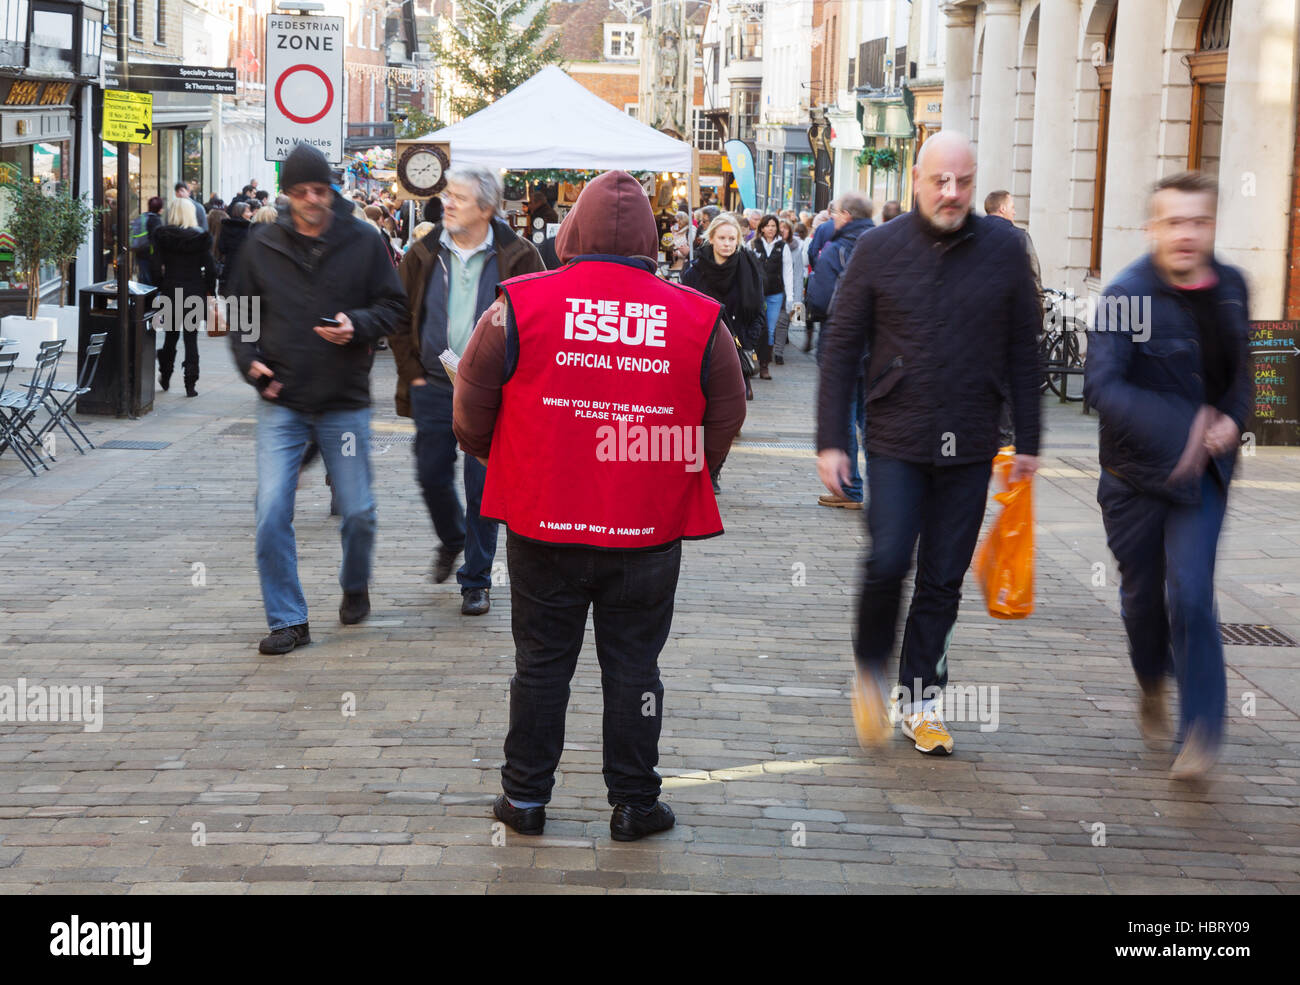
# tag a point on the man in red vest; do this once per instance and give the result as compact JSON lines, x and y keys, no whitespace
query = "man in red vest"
{"x":600,"y":397}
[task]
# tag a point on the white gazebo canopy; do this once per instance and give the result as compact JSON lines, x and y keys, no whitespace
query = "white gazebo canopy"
{"x":550,"y":121}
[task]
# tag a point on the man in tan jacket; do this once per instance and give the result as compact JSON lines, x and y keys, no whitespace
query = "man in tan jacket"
{"x":451,"y":277}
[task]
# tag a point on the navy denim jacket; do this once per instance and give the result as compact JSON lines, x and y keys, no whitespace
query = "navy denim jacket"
{"x":1147,"y":390}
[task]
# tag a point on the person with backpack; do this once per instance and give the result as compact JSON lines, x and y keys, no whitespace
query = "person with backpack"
{"x":142,"y":227}
{"x":852,"y":217}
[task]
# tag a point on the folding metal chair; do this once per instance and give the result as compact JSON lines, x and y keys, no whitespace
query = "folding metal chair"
{"x":16,"y":398}
{"x":59,"y":409}
{"x":22,"y":407}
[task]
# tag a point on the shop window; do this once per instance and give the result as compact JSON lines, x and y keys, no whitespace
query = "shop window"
{"x":1209,"y":71}
{"x":13,"y":21}
{"x":744,"y":113}
{"x":44,"y":163}
{"x":708,"y":139}
{"x":1104,"y":73}
{"x":52,"y":43}
{"x":804,"y":176}
{"x":192,"y":162}
{"x":92,"y":40}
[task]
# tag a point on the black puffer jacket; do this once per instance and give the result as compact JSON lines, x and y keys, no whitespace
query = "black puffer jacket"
{"x":298,"y":280}
{"x":182,"y":259}
{"x":233,"y":233}
{"x":944,"y":321}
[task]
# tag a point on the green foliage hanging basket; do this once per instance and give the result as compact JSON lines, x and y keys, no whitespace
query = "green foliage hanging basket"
{"x":878,"y":158}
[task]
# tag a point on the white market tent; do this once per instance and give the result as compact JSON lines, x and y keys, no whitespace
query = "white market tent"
{"x":550,"y":121}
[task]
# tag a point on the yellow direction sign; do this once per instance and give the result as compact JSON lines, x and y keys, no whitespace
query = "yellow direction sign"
{"x":128,"y":116}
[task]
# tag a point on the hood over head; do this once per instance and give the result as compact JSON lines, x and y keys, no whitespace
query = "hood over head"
{"x":612,"y":216}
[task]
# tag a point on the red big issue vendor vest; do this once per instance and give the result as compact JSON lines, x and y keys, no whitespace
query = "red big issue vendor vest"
{"x":599,"y":439}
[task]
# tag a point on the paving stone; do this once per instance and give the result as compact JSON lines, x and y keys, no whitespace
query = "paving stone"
{"x":758,"y":751}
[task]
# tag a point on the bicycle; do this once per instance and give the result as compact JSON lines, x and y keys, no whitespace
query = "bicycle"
{"x":1059,"y":349}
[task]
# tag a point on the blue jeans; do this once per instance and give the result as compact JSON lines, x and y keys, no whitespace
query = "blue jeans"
{"x":459,"y":528}
{"x":1166,"y":554}
{"x":944,"y":507}
{"x":857,"y":436}
{"x":344,"y":439}
{"x":775,"y":303}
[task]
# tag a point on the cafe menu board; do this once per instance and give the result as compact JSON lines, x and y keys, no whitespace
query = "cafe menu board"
{"x":1275,"y":354}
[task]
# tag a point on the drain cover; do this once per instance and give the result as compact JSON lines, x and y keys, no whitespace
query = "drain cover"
{"x":1252,"y":634}
{"x":133,"y":445}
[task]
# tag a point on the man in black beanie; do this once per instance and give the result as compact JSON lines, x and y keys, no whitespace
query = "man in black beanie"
{"x":319,"y":293}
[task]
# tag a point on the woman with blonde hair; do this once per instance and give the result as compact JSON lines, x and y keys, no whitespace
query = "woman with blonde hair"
{"x":266,"y":213}
{"x":184,"y":268}
{"x":732,"y":276}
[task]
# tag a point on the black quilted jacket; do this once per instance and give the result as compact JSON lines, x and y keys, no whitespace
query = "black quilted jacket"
{"x":945,"y":322}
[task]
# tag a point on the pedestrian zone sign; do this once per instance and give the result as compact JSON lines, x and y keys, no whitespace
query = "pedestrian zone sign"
{"x":304,"y":85}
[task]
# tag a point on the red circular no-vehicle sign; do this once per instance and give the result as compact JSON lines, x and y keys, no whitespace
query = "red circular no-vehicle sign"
{"x":329,"y":93}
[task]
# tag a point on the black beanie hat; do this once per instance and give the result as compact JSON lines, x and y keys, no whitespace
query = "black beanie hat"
{"x":304,"y":163}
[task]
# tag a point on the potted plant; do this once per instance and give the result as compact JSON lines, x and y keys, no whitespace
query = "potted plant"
{"x":72,"y":218}
{"x":32,"y":221}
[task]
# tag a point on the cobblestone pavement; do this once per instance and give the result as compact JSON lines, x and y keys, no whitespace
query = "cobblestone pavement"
{"x":218,"y":770}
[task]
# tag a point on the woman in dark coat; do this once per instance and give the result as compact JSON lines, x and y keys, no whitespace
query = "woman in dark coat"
{"x":733,"y":276}
{"x":183,"y":262}
{"x":234,"y":231}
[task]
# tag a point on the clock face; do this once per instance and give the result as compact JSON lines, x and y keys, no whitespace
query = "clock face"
{"x":421,"y":170}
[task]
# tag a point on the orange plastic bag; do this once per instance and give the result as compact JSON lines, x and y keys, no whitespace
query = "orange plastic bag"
{"x":1004,"y":561}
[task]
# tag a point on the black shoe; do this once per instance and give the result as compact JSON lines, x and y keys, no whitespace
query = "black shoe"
{"x":284,"y":640}
{"x":164,"y":380}
{"x":354,"y":607}
{"x":475,"y":602}
{"x":443,"y":564}
{"x":629,"y":824}
{"x":717,"y":486}
{"x":749,"y":391}
{"x":524,"y":820}
{"x":190,"y":391}
{"x":779,"y":360}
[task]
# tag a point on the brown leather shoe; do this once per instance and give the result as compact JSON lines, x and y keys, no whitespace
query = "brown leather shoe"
{"x":763,"y":374}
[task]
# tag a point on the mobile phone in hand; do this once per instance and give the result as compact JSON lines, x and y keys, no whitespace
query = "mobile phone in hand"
{"x":331,"y":322}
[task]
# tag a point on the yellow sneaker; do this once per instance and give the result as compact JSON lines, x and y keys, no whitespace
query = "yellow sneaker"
{"x":928,"y":732}
{"x":870,"y":717}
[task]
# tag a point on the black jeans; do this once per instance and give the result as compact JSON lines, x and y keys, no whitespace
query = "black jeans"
{"x":167,"y":354}
{"x":943,"y":506}
{"x":631,"y":594}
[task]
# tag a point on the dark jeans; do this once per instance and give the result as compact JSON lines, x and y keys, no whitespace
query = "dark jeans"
{"x":167,"y":355}
{"x":435,"y":466}
{"x":1166,"y":554}
{"x":631,"y":597}
{"x":944,"y":507}
{"x":853,"y":489}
